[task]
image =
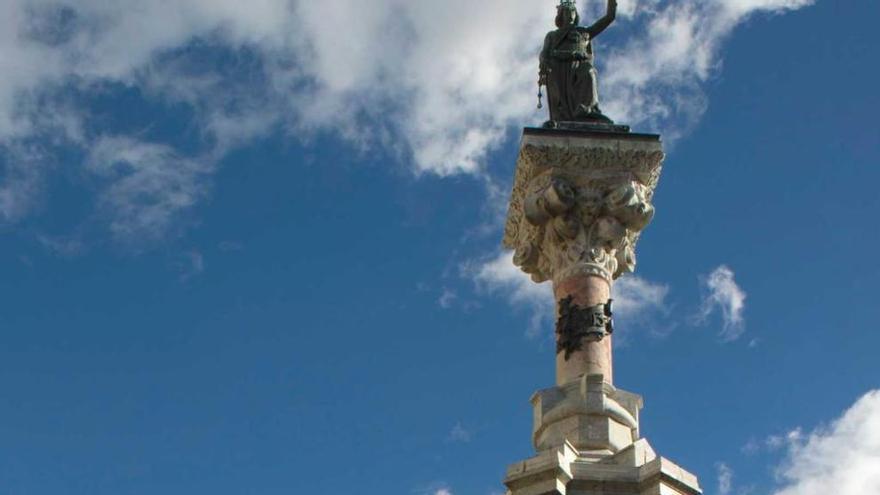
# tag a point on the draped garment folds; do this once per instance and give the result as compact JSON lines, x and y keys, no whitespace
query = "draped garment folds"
{"x":568,"y":71}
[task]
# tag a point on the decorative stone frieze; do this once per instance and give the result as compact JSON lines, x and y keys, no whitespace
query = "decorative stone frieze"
{"x":580,"y":202}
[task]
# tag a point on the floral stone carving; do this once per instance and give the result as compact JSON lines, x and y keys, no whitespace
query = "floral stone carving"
{"x":580,"y":202}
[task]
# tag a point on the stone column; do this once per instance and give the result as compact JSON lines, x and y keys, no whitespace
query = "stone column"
{"x":579,"y":202}
{"x":594,"y":356}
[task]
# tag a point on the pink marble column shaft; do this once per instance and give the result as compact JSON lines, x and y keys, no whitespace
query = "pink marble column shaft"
{"x":593,"y":357}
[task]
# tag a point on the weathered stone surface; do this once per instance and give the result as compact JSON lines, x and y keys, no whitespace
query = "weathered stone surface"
{"x":592,"y":357}
{"x":590,"y":414}
{"x":567,"y":471}
{"x":579,"y":204}
{"x":580,"y":201}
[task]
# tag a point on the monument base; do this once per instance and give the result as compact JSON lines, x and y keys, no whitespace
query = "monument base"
{"x":587,"y":435}
{"x":636,"y":470}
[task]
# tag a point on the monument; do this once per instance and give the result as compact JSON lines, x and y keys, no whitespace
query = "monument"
{"x":582,"y":194}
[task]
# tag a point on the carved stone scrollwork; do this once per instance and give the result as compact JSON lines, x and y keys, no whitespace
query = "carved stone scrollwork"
{"x":578,"y":208}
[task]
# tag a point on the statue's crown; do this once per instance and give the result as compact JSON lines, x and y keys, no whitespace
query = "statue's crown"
{"x":567,"y":4}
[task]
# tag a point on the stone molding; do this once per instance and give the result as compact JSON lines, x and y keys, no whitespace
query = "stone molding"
{"x":580,"y":202}
{"x":589,"y":413}
{"x":637,"y":470}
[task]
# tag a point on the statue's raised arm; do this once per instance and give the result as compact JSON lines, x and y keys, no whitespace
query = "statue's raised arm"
{"x":603,"y":23}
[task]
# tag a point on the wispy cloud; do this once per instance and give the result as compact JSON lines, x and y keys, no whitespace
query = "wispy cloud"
{"x":21,"y":179}
{"x":656,"y":78}
{"x":753,"y":446}
{"x":776,"y":442}
{"x":192,"y":264}
{"x":841,"y":458}
{"x":498,"y":275}
{"x":147,"y":186}
{"x":458,"y":434}
{"x":725,"y":478}
{"x":641,"y":304}
{"x":447,"y":298}
{"x":64,"y":247}
{"x":722,"y":294}
{"x":230,"y":246}
{"x":772,"y":443}
{"x":435,"y":489}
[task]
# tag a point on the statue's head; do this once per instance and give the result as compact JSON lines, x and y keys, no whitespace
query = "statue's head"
{"x":567,"y":14}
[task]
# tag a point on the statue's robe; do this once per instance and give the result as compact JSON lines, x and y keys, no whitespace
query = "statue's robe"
{"x":567,"y":61}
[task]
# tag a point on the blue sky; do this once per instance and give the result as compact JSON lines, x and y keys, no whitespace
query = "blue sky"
{"x":256,"y":249}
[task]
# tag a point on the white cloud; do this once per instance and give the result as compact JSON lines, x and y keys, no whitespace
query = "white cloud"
{"x":842,"y":458}
{"x":772,"y":443}
{"x":753,"y":446}
{"x":500,"y":275}
{"x":147,"y":185}
{"x":656,"y":78}
{"x":191,"y":265}
{"x":776,"y":442}
{"x":21,"y":180}
{"x":438,"y":83}
{"x":459,"y":434}
{"x":61,"y":246}
{"x":447,"y":298}
{"x":435,"y":489}
{"x":640,"y":303}
{"x":723,"y":294}
{"x":725,"y":478}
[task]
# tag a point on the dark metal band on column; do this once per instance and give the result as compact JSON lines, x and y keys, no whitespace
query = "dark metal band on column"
{"x":576,"y":324}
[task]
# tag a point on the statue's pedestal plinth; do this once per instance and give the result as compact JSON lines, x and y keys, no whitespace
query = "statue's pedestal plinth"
{"x":603,"y":124}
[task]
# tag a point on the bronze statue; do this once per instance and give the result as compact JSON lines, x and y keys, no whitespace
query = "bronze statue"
{"x":567,"y":69}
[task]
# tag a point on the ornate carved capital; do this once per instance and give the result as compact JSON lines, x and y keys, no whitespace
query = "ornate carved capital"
{"x":580,"y":202}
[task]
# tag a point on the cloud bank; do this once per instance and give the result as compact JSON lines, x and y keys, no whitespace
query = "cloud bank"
{"x":842,"y":458}
{"x":437,"y":84}
{"x":656,"y":79}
